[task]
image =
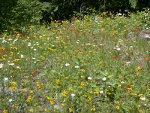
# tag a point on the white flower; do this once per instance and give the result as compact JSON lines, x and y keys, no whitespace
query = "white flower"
{"x":22,"y":56}
{"x":89,"y":78}
{"x":143,"y":98}
{"x":53,"y":45}
{"x":58,"y":107}
{"x":10,"y":100}
{"x":119,"y":14}
{"x":33,"y":58}
{"x":72,"y":94}
{"x":120,"y":40}
{"x":4,"y":41}
{"x":104,"y":79}
{"x":15,"y":41}
{"x":34,"y":49}
{"x":118,"y":49}
{"x":11,"y":64}
{"x":29,"y":43}
{"x":87,"y":44}
{"x":77,"y":41}
{"x":122,"y":82}
{"x":128,"y":63}
{"x":101,"y":92}
{"x":18,"y":67}
{"x":131,"y":46}
{"x":1,"y":65}
{"x":94,"y":45}
{"x":5,"y":79}
{"x":146,"y":35}
{"x":76,"y":67}
{"x":67,"y":64}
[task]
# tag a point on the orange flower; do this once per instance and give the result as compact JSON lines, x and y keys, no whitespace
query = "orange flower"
{"x":128,"y":87}
{"x":146,"y":58}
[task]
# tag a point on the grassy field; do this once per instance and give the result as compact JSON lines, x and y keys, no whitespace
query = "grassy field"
{"x":95,"y":65}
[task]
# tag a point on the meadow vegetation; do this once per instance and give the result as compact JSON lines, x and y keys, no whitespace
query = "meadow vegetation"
{"x":98,"y":64}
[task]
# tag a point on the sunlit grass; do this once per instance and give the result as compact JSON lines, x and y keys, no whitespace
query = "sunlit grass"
{"x":97,"y":64}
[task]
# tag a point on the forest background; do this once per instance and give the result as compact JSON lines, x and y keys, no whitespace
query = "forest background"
{"x":16,"y":13}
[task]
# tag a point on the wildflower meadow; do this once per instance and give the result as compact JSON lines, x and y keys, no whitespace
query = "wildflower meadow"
{"x":97,"y":64}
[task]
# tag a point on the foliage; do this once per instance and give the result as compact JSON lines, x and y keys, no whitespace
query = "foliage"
{"x":98,"y":64}
{"x":65,"y":9}
{"x":142,"y":4}
{"x":5,"y":12}
{"x":21,"y":13}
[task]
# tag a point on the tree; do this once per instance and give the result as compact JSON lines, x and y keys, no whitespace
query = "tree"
{"x":141,"y":4}
{"x":6,"y":7}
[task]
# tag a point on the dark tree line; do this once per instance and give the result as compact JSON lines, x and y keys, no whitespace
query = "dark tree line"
{"x":19,"y":12}
{"x":143,"y":4}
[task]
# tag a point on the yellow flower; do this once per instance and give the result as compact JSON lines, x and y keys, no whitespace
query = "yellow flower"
{"x":39,"y":85}
{"x":117,"y":107}
{"x":39,"y":46}
{"x":28,"y":99}
{"x":70,"y":89}
{"x":31,"y":110}
{"x":51,"y":100}
{"x":11,"y":54}
{"x":89,"y":99}
{"x":23,"y":90}
{"x":70,"y":109}
{"x":38,"y":107}
{"x":117,"y":102}
{"x":4,"y":57}
{"x":13,"y":83}
{"x":141,"y":111}
{"x":16,"y":60}
{"x":51,"y":49}
{"x":64,"y":93}
{"x":82,"y":70}
{"x":138,"y":68}
{"x":62,"y":104}
{"x":45,"y":110}
{"x":82,"y":84}
{"x":133,"y":94}
{"x":30,"y":91}
{"x":107,"y":92}
{"x":96,"y":91}
{"x":5,"y":111}
{"x":14,"y":48}
{"x":93,"y":108}
{"x":12,"y":88}
{"x":57,"y":81}
{"x":129,"y":89}
{"x":141,"y":95}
